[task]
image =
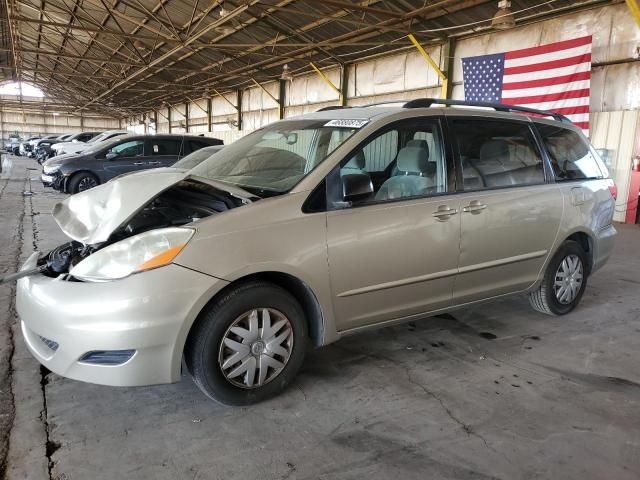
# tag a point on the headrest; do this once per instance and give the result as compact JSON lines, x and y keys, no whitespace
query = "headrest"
{"x":419,"y":144}
{"x":413,"y":160}
{"x":357,"y":161}
{"x":494,"y":149}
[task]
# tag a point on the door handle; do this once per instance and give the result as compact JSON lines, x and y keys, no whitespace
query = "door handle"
{"x":138,"y":163}
{"x":475,"y":207}
{"x":154,"y":163}
{"x":444,"y":213}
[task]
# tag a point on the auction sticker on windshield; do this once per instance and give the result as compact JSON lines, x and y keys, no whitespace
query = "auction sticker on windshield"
{"x":347,"y":123}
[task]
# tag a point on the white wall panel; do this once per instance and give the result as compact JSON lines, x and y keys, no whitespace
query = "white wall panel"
{"x":617,"y":132}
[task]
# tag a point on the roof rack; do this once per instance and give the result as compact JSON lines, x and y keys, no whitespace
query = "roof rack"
{"x":332,"y":107}
{"x":498,"y":107}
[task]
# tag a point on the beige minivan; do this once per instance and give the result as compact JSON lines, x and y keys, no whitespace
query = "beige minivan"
{"x":312,"y":228}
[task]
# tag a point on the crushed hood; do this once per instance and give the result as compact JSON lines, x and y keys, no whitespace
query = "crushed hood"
{"x":91,"y":216}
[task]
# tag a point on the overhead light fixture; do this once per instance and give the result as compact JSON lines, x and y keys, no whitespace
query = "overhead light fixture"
{"x":286,"y":73}
{"x":503,"y":19}
{"x":223,"y":11}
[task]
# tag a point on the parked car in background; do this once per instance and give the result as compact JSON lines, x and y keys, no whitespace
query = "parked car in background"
{"x":106,"y":160}
{"x":311,"y":229}
{"x":12,"y":145}
{"x":43,"y":149}
{"x":79,"y":146}
{"x":33,"y":144}
{"x":25,"y":146}
{"x":77,"y":137}
{"x":197,"y":157}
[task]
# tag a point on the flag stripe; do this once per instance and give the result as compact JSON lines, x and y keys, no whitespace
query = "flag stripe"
{"x":580,"y":117}
{"x":564,"y":62}
{"x":526,"y":92}
{"x":545,"y":82}
{"x":582,"y":125}
{"x":572,"y":110}
{"x":519,"y":77}
{"x":550,"y":47}
{"x":551,"y":97}
{"x":547,"y":57}
{"x":566,"y":103}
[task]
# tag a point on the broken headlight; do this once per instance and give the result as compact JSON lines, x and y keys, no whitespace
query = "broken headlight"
{"x":151,"y":249}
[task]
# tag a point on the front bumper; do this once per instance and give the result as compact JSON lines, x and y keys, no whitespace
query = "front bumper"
{"x":47,"y":180}
{"x":149,"y":312}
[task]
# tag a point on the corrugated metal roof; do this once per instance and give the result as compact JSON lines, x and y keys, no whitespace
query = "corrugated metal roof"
{"x":122,"y":57}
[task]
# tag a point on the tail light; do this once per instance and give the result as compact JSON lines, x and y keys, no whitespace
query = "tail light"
{"x":612,"y":188}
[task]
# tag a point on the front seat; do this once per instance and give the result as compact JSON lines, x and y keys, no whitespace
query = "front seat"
{"x":414,"y":176}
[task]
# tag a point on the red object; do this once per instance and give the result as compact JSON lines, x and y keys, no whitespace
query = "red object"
{"x":632,"y":199}
{"x":612,"y":189}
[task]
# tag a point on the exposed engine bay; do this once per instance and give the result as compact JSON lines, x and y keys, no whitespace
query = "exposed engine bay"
{"x":185,"y":202}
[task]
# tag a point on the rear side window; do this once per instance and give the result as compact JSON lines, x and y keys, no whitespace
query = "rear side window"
{"x":497,"y":154}
{"x":195,"y":145}
{"x":164,"y":147}
{"x":571,"y":157}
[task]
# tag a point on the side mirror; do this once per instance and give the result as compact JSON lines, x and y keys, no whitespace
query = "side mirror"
{"x":111,"y":155}
{"x":356,"y":186}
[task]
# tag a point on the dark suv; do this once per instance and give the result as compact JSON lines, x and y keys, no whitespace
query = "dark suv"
{"x":128,"y":153}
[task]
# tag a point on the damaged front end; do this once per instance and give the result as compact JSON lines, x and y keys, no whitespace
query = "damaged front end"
{"x":134,"y":223}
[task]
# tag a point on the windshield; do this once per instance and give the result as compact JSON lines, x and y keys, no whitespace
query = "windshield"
{"x":274,"y":159}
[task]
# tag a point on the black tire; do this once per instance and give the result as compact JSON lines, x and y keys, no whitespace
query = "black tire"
{"x":544,"y":298}
{"x":203,"y":344}
{"x":79,"y":180}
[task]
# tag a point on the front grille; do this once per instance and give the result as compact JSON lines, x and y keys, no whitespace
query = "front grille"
{"x":107,"y":357}
{"x":53,"y":346}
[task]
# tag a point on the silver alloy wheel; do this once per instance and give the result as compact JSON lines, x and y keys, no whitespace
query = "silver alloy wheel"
{"x":86,"y":183}
{"x":568,"y":279}
{"x":256,"y":347}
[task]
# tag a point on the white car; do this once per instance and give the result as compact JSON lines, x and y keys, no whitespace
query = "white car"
{"x":77,"y":142}
{"x":79,"y":146}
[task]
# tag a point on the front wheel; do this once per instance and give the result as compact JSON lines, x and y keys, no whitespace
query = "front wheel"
{"x":564,"y":281}
{"x":248,"y":345}
{"x":81,"y":182}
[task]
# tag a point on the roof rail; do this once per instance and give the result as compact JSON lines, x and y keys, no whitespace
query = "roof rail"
{"x":331,"y":107}
{"x":498,"y":107}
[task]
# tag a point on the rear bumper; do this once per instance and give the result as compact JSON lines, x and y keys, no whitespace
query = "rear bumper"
{"x":603,"y":246}
{"x":149,"y":312}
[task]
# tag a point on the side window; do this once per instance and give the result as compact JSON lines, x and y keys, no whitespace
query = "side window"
{"x":163,"y":147}
{"x":497,"y":154}
{"x":571,"y":157}
{"x":402,"y":162}
{"x":134,"y":148}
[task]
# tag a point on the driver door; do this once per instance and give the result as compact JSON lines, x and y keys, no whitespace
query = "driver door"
{"x":129,"y":157}
{"x":394,"y":254}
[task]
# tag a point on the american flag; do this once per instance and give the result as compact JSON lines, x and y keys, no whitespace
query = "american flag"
{"x":553,"y":77}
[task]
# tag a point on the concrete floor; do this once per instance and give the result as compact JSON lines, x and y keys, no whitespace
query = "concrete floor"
{"x":496,"y":391}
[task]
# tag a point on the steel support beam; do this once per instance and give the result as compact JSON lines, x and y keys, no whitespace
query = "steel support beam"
{"x":209,"y":114}
{"x":327,"y":81}
{"x":186,"y":117}
{"x":282,"y":90}
{"x":434,"y":65}
{"x":239,"y":108}
{"x":344,"y":84}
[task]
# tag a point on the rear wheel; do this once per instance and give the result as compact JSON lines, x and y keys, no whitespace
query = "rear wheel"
{"x":248,"y":345}
{"x":564,"y":281}
{"x":81,"y":182}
